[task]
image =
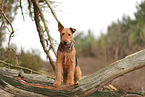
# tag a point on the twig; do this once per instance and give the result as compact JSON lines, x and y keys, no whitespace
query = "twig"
{"x":19,"y":67}
{"x":52,"y":11}
{"x":46,"y":27}
{"x":112,"y":87}
{"x":11,"y":34}
{"x":133,"y":94}
{"x":8,"y":64}
{"x":29,"y":7}
{"x":15,"y":55}
{"x":23,"y":68}
{"x":2,"y":12}
{"x":9,"y":53}
{"x":22,"y":9}
{"x":40,"y":31}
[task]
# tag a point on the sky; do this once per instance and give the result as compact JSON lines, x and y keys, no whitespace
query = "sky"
{"x":82,"y":15}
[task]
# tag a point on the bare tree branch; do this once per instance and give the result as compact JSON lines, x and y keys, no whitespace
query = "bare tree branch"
{"x":23,"y":68}
{"x":52,"y":11}
{"x":46,"y":27}
{"x":22,"y":9}
{"x":11,"y":33}
{"x":40,"y":31}
{"x":87,"y":85}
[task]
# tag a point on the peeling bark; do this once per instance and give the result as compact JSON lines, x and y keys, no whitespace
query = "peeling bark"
{"x":42,"y":85}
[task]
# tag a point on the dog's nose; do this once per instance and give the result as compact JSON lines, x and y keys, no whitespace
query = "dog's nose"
{"x":65,"y":42}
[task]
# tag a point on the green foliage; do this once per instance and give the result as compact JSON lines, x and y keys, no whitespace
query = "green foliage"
{"x":85,"y":43}
{"x":122,"y":38}
{"x":27,"y":59}
{"x":140,"y":14}
{"x":30,"y":60}
{"x":10,"y":10}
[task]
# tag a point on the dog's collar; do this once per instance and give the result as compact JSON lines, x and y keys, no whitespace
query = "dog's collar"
{"x":68,"y":47}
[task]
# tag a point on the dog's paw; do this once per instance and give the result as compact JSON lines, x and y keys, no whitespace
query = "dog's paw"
{"x":77,"y":83}
{"x":70,"y":83}
{"x":56,"y":84}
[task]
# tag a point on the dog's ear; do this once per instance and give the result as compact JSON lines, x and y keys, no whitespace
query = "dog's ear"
{"x":73,"y":30}
{"x":60,"y":27}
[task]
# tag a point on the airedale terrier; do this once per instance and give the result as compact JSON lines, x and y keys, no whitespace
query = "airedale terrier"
{"x":66,"y":58}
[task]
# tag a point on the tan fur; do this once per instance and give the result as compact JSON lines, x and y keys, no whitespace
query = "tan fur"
{"x":66,"y":59}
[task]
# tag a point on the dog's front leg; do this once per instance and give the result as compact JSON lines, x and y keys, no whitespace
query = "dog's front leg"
{"x":70,"y":76}
{"x":58,"y":71}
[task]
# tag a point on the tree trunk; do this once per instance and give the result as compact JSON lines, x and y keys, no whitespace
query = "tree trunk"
{"x":38,"y":85}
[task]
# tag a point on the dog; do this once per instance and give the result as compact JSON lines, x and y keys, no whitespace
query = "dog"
{"x":66,"y":58}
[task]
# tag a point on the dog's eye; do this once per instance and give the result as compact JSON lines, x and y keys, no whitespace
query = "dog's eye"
{"x":62,"y":33}
{"x":68,"y":34}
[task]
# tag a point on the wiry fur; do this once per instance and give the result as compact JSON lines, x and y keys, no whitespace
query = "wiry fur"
{"x":66,"y":60}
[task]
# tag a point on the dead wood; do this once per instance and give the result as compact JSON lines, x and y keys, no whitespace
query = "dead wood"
{"x":41,"y":84}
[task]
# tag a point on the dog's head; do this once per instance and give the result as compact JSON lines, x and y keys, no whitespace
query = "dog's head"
{"x":66,"y":34}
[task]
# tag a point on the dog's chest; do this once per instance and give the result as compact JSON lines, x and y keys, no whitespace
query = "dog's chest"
{"x":66,"y":61}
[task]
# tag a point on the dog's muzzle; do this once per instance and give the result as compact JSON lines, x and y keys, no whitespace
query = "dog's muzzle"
{"x":65,"y":42}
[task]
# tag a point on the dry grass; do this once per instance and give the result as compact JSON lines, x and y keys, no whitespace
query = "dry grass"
{"x":132,"y":81}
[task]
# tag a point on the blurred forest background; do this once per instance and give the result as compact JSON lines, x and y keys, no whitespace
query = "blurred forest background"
{"x":122,"y":38}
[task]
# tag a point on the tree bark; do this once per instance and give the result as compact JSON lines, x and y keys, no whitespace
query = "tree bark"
{"x":37,"y":14}
{"x":42,"y":85}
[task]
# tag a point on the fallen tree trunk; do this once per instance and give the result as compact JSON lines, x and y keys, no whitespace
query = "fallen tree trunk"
{"x":38,"y":85}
